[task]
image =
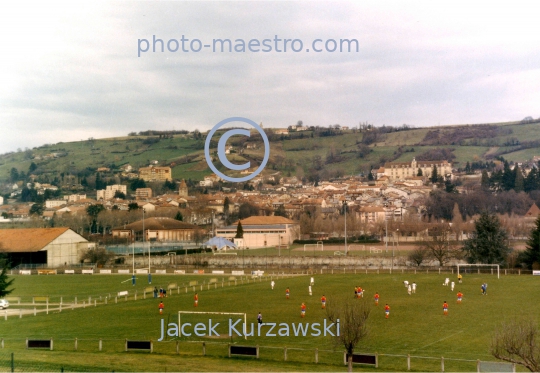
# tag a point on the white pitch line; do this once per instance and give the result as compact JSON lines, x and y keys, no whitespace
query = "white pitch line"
{"x":442,"y":339}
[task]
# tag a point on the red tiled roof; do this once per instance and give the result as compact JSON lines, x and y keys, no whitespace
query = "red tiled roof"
{"x":28,"y":239}
{"x":265,"y":220}
{"x":533,"y":211}
{"x":157,"y":224}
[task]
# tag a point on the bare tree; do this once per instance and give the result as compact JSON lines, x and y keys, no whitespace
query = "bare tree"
{"x":352,"y":315}
{"x":516,"y":342}
{"x":306,"y":224}
{"x":77,"y":222}
{"x":418,"y":255}
{"x":439,"y":246}
{"x":198,"y":236}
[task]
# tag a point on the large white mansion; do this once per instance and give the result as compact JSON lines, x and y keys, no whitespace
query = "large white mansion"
{"x":403,"y":170}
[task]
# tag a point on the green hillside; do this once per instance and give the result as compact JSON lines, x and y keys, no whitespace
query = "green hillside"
{"x":330,"y":154}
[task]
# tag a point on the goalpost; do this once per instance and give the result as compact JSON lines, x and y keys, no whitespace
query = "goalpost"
{"x":481,"y":265}
{"x":350,"y":248}
{"x":319,"y":243}
{"x":213,"y":313}
{"x":495,"y":366}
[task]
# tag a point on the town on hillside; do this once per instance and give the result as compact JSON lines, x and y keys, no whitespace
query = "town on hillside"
{"x":397,"y":202}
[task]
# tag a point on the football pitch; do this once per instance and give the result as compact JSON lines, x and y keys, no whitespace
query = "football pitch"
{"x":416,"y":326}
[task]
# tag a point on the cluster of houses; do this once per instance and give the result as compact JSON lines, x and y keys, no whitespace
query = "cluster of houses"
{"x":396,"y":193}
{"x":16,"y":188}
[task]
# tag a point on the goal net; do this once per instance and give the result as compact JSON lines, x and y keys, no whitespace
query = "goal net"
{"x":350,"y":249}
{"x":478,"y":268}
{"x":314,"y":246}
{"x":212,"y":325}
{"x":494,"y":366}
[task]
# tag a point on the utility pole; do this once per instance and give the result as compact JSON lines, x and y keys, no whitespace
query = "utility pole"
{"x":144,"y":243}
{"x":397,"y":234}
{"x":133,"y":247}
{"x":213,"y":234}
{"x":345,"y":208}
{"x":386,"y":228}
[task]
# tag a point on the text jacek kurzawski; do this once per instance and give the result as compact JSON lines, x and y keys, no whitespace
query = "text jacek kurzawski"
{"x":238,"y":328}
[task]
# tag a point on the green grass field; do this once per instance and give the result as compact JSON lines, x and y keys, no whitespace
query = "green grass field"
{"x":416,"y":325}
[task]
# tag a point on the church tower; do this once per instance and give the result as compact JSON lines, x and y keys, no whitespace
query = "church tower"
{"x":183,"y":189}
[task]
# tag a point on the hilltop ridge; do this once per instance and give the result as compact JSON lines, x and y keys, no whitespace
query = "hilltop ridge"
{"x":327,"y":151}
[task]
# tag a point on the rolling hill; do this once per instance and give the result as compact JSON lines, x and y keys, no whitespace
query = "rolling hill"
{"x":328,"y":152}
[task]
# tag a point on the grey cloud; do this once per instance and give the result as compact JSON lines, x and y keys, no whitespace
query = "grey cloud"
{"x":410,"y":69}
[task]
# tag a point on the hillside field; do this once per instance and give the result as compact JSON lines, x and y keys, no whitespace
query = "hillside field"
{"x":184,"y":153}
{"x":416,"y":325}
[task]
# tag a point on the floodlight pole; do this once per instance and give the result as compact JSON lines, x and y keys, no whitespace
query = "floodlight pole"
{"x":386,"y":230}
{"x":213,"y":231}
{"x":144,"y":243}
{"x":397,"y":233}
{"x":448,"y":240}
{"x":345,"y":208}
{"x":133,"y":247}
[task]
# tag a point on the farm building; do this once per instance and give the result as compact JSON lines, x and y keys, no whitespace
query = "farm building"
{"x":52,"y":247}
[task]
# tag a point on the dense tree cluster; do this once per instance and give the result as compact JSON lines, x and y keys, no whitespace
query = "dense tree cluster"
{"x":462,"y":135}
{"x":470,"y":167}
{"x":531,"y":256}
{"x":440,"y":204}
{"x":437,"y":154}
{"x":489,"y":242}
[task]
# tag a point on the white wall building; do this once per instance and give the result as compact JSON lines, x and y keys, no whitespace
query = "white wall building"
{"x":51,"y":203}
{"x":110,"y":190}
{"x":75,"y":197}
{"x":263,"y":231}
{"x":403,"y":170}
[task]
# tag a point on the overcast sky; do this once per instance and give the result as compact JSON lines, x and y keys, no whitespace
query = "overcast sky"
{"x":70,"y":71}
